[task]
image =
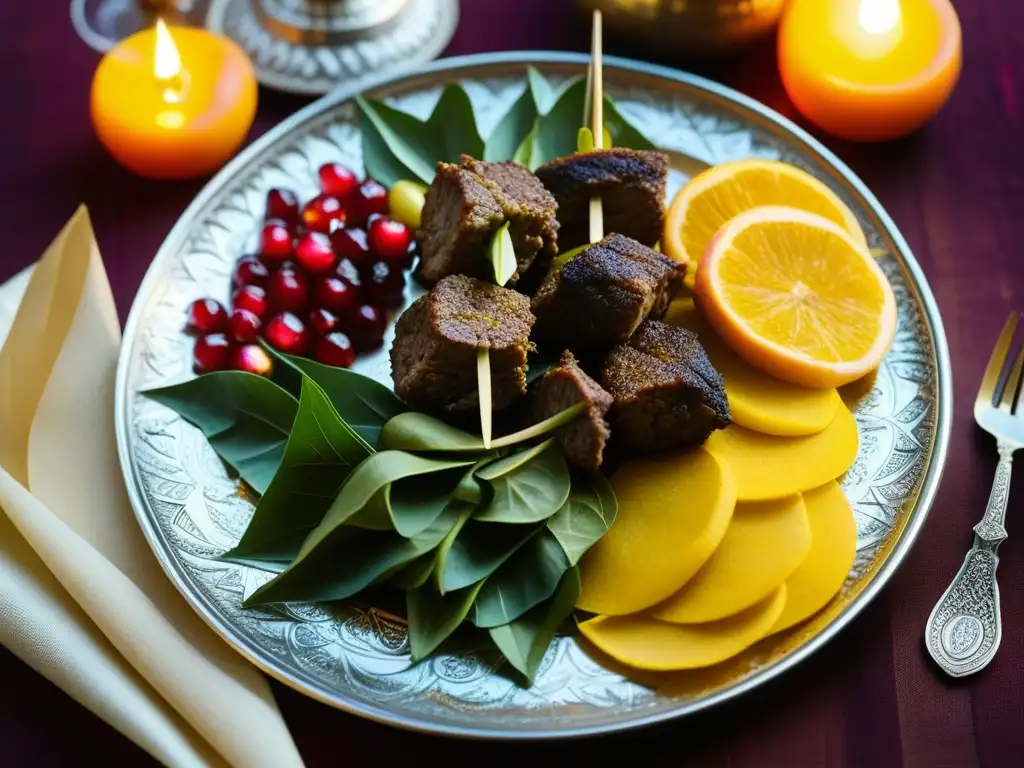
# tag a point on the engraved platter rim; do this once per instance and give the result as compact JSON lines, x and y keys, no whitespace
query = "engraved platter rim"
{"x":916,"y":428}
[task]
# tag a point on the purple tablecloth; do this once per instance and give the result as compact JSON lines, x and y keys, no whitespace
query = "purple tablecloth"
{"x":872,"y":697}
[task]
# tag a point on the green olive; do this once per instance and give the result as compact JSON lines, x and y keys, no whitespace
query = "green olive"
{"x":405,"y":202}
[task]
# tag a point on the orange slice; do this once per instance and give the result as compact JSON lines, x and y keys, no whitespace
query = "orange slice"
{"x":795,"y":295}
{"x":713,"y":197}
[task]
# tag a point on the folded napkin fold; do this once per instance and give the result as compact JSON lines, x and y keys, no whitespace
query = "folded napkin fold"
{"x":82,"y":599}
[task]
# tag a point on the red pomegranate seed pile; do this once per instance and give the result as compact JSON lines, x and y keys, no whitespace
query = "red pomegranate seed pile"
{"x":326,"y":273}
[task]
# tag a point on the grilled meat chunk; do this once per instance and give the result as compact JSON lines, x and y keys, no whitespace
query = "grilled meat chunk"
{"x":584,"y":438}
{"x":602,"y":294}
{"x":433,"y":358}
{"x":667,"y":393}
{"x":631,"y":184}
{"x":465,"y":203}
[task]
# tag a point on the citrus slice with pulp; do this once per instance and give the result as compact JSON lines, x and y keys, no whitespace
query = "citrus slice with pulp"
{"x":713,"y":197}
{"x":797,"y":296}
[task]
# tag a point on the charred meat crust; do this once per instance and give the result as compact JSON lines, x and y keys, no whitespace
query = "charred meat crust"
{"x":583,"y":440}
{"x":630,"y":182}
{"x":600,"y":296}
{"x":667,"y":394}
{"x":433,"y":357}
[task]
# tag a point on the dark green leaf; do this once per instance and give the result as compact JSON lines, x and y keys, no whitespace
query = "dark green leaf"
{"x":526,"y":579}
{"x":512,"y":129}
{"x":364,"y":404}
{"x":245,"y":417}
{"x":477,"y":552}
{"x":525,"y":640}
{"x":416,"y":573}
{"x":271,"y":566}
{"x":502,"y":255}
{"x":465,"y":512}
{"x":541,"y":90}
{"x":320,"y":453}
{"x":622,"y":131}
{"x":529,"y":486}
{"x":454,"y":125}
{"x":410,"y":142}
{"x":586,"y":516}
{"x":378,"y":159}
{"x":408,"y":505}
{"x":432,"y":617}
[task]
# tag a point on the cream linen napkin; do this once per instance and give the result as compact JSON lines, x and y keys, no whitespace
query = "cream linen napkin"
{"x":82,"y":599}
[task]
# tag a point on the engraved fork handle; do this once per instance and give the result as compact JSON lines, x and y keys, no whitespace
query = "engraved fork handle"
{"x":964,"y":629}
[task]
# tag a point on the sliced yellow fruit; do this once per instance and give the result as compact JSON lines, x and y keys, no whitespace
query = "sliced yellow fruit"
{"x":833,"y":547}
{"x":769,"y":467}
{"x":647,"y":643}
{"x":674,"y":510}
{"x":765,"y":543}
{"x":715,"y":196}
{"x":758,"y":401}
{"x":796,"y":296}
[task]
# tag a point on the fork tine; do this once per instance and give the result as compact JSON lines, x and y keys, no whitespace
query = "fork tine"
{"x":1012,"y":383}
{"x":987,"y":391}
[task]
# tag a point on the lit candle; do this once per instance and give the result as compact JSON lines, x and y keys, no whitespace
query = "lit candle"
{"x":173,"y":107}
{"x":869,"y":70}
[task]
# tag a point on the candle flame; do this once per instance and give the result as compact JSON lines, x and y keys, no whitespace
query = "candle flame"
{"x":166,"y":60}
{"x":878,"y":17}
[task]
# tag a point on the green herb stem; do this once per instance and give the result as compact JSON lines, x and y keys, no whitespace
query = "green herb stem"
{"x":541,"y":427}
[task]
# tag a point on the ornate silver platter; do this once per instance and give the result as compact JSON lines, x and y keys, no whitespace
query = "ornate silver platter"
{"x":354,"y":656}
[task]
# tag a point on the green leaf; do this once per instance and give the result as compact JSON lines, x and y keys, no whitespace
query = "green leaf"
{"x":512,"y":129}
{"x":364,"y":404}
{"x":526,"y":579}
{"x":538,"y":364}
{"x":454,"y":125}
{"x":245,"y":417}
{"x":556,"y":130}
{"x":502,"y":255}
{"x":465,"y":512}
{"x":528,"y":487}
{"x":433,"y":617}
{"x":320,"y":453}
{"x":586,"y":516}
{"x":378,"y":159}
{"x":525,"y":641}
{"x":541,"y":90}
{"x":345,"y":560}
{"x":410,"y":141}
{"x":408,"y":505}
{"x":623,"y":133}
{"x":416,"y":573}
{"x":478,"y":551}
{"x":584,"y":140}
{"x":522,"y":153}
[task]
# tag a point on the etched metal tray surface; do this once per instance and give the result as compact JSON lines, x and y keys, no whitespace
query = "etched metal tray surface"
{"x":356,"y":657}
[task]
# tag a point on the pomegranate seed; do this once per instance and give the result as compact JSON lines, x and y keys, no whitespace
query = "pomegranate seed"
{"x":314,"y":253}
{"x":336,"y":179}
{"x":206,"y":316}
{"x":370,"y":198}
{"x":347,"y":271}
{"x":334,"y":349}
{"x":352,"y":244}
{"x":250,"y":271}
{"x":284,"y":205}
{"x":275,"y":242}
{"x":252,"y":298}
{"x":390,"y":239}
{"x":334,"y":294}
{"x":244,"y":326}
{"x":288,"y":291}
{"x":323,"y":321}
{"x":324,"y":213}
{"x":367,"y":327}
{"x":385,"y":284}
{"x":286,"y":333}
{"x":252,"y":358}
{"x":211,"y":353}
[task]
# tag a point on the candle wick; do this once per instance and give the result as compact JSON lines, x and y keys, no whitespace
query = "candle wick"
{"x":175,"y":87}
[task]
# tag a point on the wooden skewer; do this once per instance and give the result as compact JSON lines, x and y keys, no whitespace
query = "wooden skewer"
{"x":595,"y":97}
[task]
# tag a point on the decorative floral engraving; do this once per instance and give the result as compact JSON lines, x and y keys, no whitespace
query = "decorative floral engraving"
{"x":990,"y":529}
{"x":356,"y":656}
{"x":963,"y":631}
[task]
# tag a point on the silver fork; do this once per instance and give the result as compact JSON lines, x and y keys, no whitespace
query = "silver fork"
{"x":964,"y":629}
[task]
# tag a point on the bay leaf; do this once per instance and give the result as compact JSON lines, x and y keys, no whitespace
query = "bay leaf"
{"x":523,"y":151}
{"x":444,"y":548}
{"x":409,"y":504}
{"x":586,"y":516}
{"x":526,"y":579}
{"x":495,"y":469}
{"x":320,"y":453}
{"x":378,"y":160}
{"x":526,"y":491}
{"x":541,"y":90}
{"x":623,"y":132}
{"x":525,"y":641}
{"x":478,"y":550}
{"x":556,"y":128}
{"x":433,"y":617}
{"x":408,"y":138}
{"x":416,"y":573}
{"x":246,"y":418}
{"x":363,"y":403}
{"x":512,"y":129}
{"x":502,"y":254}
{"x":454,"y":124}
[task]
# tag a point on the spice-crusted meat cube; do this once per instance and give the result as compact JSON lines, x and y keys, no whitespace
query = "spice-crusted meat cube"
{"x":433,"y":358}
{"x":584,"y":438}
{"x":667,"y":393}
{"x":466,"y":203}
{"x":631,"y":184}
{"x":603,"y":293}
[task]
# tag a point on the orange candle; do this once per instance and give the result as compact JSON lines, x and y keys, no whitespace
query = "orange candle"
{"x":173,"y":107}
{"x":869,"y":70}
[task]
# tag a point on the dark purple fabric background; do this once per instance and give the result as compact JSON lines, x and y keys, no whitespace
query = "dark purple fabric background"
{"x":872,"y":697}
